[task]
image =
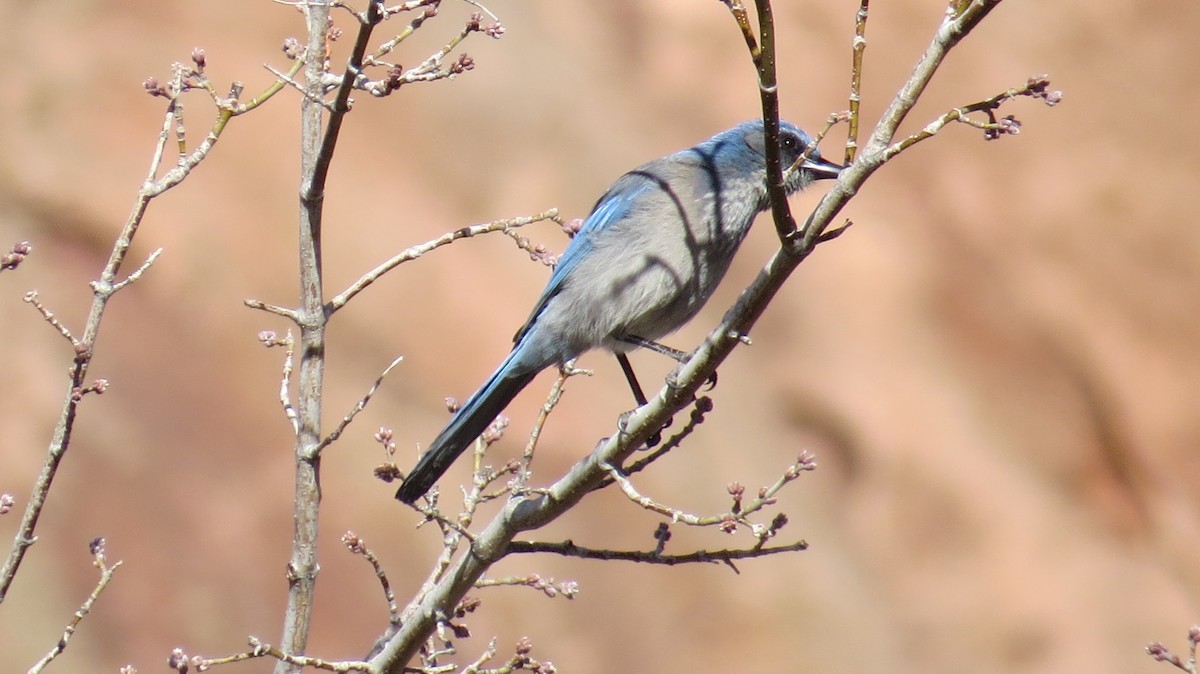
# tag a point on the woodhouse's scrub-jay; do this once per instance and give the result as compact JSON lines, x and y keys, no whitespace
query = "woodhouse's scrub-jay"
{"x":645,"y":261}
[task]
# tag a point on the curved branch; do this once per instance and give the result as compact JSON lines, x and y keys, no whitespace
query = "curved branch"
{"x":569,"y":549}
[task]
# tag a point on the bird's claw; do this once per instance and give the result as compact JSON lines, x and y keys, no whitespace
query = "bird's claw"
{"x":623,"y":420}
{"x":655,"y":437}
{"x":673,"y":380}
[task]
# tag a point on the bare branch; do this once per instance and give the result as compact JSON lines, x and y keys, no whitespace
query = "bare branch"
{"x":743,"y":21}
{"x":859,"y":49}
{"x":269,"y":340}
{"x":546,"y":586}
{"x":768,"y":89}
{"x":32,"y":298}
{"x":289,"y":314}
{"x":537,"y":252}
{"x":431,"y":68}
{"x":569,"y":549}
{"x":316,"y":154}
{"x":360,"y":406}
{"x":564,"y":373}
{"x":1034,"y":87}
{"x":137,"y":274}
{"x":387,"y":47}
{"x":106,"y":574}
{"x":727,"y":521}
{"x":418,"y":250}
{"x":183,"y":79}
{"x":520,"y":660}
{"x":961,"y":17}
{"x":358,"y":546}
{"x":288,"y":79}
{"x":831,"y":121}
{"x":181,"y":662}
{"x":281,"y":81}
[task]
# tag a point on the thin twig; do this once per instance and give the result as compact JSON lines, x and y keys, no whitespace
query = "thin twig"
{"x":281,"y":81}
{"x":137,"y":274}
{"x":386,"y":47}
{"x":107,"y":284}
{"x":289,"y":314}
{"x":831,"y":121}
{"x":546,"y":586}
{"x":743,"y":21}
{"x":359,"y":406}
{"x":485,"y":10}
{"x":725,"y":520}
{"x":569,"y":549}
{"x":358,"y":546}
{"x":856,"y":69}
{"x":289,"y":80}
{"x":106,"y":574}
{"x":285,"y":379}
{"x":552,"y":399}
{"x":418,"y":250}
{"x":33,"y":299}
{"x":1034,"y":87}
{"x":258,"y":649}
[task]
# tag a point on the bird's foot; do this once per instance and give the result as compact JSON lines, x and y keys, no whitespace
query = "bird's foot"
{"x":623,"y":420}
{"x":655,"y":437}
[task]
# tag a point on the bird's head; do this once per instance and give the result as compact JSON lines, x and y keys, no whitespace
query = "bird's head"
{"x":794,"y":143}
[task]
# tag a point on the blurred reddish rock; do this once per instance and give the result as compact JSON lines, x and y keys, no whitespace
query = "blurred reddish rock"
{"x":997,"y":367}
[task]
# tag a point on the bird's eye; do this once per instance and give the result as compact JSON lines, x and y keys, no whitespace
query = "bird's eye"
{"x":791,"y":143}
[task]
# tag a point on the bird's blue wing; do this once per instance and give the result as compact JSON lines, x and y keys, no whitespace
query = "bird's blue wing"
{"x":614,"y":206}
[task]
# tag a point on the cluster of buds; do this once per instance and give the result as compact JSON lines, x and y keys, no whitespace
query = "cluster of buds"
{"x":269,"y":339}
{"x":1161,"y":653}
{"x":1039,"y":87}
{"x":492,"y":30}
{"x":1005,"y":126}
{"x":354,"y":543}
{"x":98,"y":387}
{"x":387,"y":471}
{"x":463,"y":64}
{"x":16,"y":256}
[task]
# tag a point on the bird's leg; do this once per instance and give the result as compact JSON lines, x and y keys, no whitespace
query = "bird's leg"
{"x":638,"y":395}
{"x":675,"y":354}
{"x":679,"y":356}
{"x":627,"y":368}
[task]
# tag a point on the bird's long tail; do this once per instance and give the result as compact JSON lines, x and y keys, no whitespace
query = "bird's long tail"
{"x":468,"y":423}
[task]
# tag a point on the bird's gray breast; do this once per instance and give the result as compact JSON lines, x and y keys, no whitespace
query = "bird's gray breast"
{"x":655,"y":268}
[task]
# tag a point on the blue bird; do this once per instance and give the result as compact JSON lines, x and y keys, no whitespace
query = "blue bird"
{"x":645,"y":261}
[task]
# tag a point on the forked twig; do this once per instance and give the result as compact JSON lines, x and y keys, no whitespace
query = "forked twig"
{"x":106,"y":575}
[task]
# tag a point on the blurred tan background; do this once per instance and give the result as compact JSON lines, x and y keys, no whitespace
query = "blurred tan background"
{"x":996,"y":367}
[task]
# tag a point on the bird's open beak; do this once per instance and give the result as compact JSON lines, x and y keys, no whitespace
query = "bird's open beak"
{"x":821,"y":168}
